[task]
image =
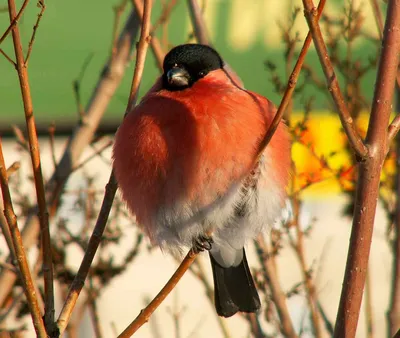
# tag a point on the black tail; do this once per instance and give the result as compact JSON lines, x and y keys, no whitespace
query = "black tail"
{"x":234,"y":289}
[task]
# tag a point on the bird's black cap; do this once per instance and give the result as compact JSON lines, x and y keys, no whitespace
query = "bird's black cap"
{"x":185,"y":64}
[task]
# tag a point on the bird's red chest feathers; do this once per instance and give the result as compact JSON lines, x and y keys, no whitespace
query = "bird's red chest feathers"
{"x":191,"y":146}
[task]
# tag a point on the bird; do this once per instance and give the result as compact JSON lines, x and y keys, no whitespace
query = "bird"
{"x":189,"y":168}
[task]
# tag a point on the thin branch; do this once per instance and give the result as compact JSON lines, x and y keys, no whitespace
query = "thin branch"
{"x":35,"y":27}
{"x":278,"y":296}
{"x":198,"y":23}
{"x":376,"y":9}
{"x":25,"y":274}
{"x":14,"y":21}
{"x":37,"y":172}
{"x":354,"y":138}
{"x":111,"y":187}
{"x":103,"y":91}
{"x":290,"y":86}
{"x":8,"y":58}
{"x":145,"y":314}
{"x":369,"y":178}
{"x":95,"y":239}
{"x":393,"y":130}
{"x":142,"y":46}
{"x":154,"y":42}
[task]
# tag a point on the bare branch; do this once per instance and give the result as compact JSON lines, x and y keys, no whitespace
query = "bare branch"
{"x":154,"y":42}
{"x":199,"y":26}
{"x":8,"y":58}
{"x":95,"y":239}
{"x":290,"y":86}
{"x":355,"y":139}
{"x":14,"y":21}
{"x":25,"y":274}
{"x":266,"y":260}
{"x":145,"y":314}
{"x":369,"y":178}
{"x":37,"y":172}
{"x":35,"y":27}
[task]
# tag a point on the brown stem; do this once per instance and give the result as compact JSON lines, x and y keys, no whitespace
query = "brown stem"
{"x":14,"y":21}
{"x":95,"y":239}
{"x":393,"y":315}
{"x":198,"y":23}
{"x":109,"y":81}
{"x":154,"y":42}
{"x":277,"y":295}
{"x":353,"y":136}
{"x":290,"y":86}
{"x":37,"y":171}
{"x":25,"y":274}
{"x":145,"y":314}
{"x":378,"y":16}
{"x":35,"y":27}
{"x":142,"y":46}
{"x":369,"y":178}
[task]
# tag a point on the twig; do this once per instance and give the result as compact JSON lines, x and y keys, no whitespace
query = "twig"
{"x":14,"y":21}
{"x":278,"y":296}
{"x":369,"y":179}
{"x":154,"y":42}
{"x":35,"y":27}
{"x":82,"y":135}
{"x":310,"y":287}
{"x":378,"y":16}
{"x":165,"y":14}
{"x":8,"y":58}
{"x":199,"y":26}
{"x":145,"y":314}
{"x":111,"y":187}
{"x":354,"y":138}
{"x":142,"y":46}
{"x":52,"y":130}
{"x":290,"y":86}
{"x":393,"y":314}
{"x":95,"y":238}
{"x":118,"y":10}
{"x":37,"y":172}
{"x":393,"y":129}
{"x":20,"y":252}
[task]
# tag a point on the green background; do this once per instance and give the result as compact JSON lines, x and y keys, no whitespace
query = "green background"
{"x":71,"y":31}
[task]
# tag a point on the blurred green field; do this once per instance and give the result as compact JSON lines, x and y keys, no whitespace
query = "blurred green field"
{"x":71,"y":31}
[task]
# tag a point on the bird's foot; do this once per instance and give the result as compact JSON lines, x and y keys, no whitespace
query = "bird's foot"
{"x":202,"y":243}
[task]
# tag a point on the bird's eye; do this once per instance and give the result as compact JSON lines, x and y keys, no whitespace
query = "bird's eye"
{"x":202,"y":74}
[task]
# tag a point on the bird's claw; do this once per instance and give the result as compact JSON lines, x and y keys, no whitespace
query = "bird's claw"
{"x":202,"y":243}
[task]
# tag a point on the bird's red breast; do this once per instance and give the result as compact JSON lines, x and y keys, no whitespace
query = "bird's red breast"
{"x":190,"y":147}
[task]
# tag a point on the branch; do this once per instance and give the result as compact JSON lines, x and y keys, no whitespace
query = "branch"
{"x":290,"y":86}
{"x":393,"y":130}
{"x":145,"y":314}
{"x":355,"y":139}
{"x":154,"y":42}
{"x":278,"y":296}
{"x":25,"y":273}
{"x":37,"y":171}
{"x":369,"y":178}
{"x":111,"y":187}
{"x":109,"y":80}
{"x":95,"y":239}
{"x":14,"y":21}
{"x":35,"y":27}
{"x":198,"y":23}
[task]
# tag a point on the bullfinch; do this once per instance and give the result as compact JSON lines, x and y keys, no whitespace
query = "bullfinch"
{"x":187,"y":164}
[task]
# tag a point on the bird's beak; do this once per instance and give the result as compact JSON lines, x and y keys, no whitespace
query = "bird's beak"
{"x":178,"y":77}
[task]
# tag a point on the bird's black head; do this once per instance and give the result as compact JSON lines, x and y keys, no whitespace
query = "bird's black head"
{"x":185,"y":64}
